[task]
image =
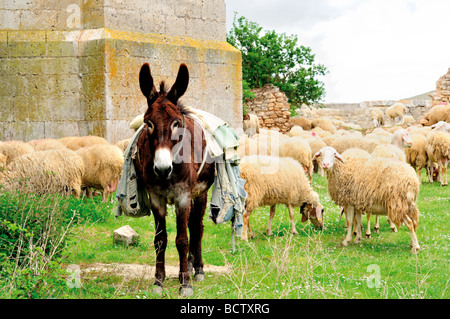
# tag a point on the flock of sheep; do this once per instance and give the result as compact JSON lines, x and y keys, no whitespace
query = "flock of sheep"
{"x":376,"y":173}
{"x":64,"y":166}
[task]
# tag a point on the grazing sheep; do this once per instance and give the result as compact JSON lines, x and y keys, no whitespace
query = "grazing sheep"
{"x":345,"y":142}
{"x":123,"y":144}
{"x":321,"y":132}
{"x":103,"y":168}
{"x":13,"y":149}
{"x":316,"y":144}
{"x":408,"y":120}
{"x":396,"y":110}
{"x":401,"y":139}
{"x":437,"y":113}
{"x":43,"y":172}
{"x":438,"y":151}
{"x":301,"y":121}
{"x":251,"y":124}
{"x":295,"y":131}
{"x":272,"y":180}
{"x":46,"y":144}
{"x":381,"y":138}
{"x":324,"y":123}
{"x":377,"y":186}
{"x":416,"y":155}
{"x":389,"y":151}
{"x":76,"y":142}
{"x":441,"y":126}
{"x":298,"y":148}
{"x":377,"y":117}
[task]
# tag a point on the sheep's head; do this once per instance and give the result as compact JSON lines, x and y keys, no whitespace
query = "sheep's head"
{"x":441,"y":126}
{"x":405,"y":137}
{"x":327,"y":156}
{"x":313,"y":213}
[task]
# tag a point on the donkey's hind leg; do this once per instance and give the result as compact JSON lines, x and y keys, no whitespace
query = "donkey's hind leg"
{"x":195,"y":261}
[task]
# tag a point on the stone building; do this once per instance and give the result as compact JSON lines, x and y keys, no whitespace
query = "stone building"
{"x":442,"y":93}
{"x":70,"y":67}
{"x":272,"y":107}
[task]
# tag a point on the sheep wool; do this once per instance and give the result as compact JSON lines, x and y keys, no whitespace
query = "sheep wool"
{"x":344,"y":142}
{"x":325,"y":124}
{"x":416,"y":155}
{"x":14,"y":149}
{"x":436,"y":114}
{"x":438,"y":151}
{"x":76,"y":142}
{"x":250,"y":124}
{"x":389,"y":151}
{"x":299,"y":149}
{"x":301,"y":121}
{"x":272,"y":180}
{"x":378,"y":186}
{"x":42,"y":172}
{"x":103,"y":167}
{"x":397,"y":110}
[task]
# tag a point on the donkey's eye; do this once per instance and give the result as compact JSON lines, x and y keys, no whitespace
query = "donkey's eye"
{"x":150,"y":126}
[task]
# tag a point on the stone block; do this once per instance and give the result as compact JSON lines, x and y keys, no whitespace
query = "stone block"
{"x":125,"y":235}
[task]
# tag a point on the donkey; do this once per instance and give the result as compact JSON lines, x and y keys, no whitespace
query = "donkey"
{"x":169,"y":180}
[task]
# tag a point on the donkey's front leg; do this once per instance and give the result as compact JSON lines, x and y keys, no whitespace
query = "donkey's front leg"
{"x":160,"y":243}
{"x":183,"y":209}
{"x":195,"y":261}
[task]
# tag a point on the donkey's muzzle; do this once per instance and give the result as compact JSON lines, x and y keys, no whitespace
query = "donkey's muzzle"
{"x":163,"y":172}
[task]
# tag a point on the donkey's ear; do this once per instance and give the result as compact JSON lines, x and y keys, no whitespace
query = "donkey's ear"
{"x":146,"y":81}
{"x":180,"y":85}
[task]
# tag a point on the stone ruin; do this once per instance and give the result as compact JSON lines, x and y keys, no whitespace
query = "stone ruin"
{"x":272,"y":107}
{"x":442,"y":93}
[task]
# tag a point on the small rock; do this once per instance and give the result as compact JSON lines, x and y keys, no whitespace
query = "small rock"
{"x":125,"y":235}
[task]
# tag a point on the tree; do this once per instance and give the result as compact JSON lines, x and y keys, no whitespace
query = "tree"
{"x":278,"y":59}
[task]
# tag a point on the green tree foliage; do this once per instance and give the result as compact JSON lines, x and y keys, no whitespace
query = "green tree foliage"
{"x":269,"y":57}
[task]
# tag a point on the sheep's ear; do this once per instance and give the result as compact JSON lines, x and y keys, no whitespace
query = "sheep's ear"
{"x":180,"y":85}
{"x":339,"y":157}
{"x":318,"y":154}
{"x":146,"y":82}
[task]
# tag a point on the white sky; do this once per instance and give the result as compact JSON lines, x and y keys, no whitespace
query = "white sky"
{"x":373,"y":49}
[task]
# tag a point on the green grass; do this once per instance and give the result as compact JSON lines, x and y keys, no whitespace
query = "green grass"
{"x":308,"y":265}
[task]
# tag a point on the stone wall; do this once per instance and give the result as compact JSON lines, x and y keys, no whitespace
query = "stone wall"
{"x":71,"y":67}
{"x":272,"y":107}
{"x":442,"y":93}
{"x":360,"y":113}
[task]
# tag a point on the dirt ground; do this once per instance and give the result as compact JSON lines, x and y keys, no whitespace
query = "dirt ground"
{"x":136,"y":271}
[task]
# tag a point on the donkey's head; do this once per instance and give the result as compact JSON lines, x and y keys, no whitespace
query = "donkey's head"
{"x":163,"y":118}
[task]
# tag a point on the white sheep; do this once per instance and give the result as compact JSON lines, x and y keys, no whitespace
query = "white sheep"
{"x":14,"y":149}
{"x":416,"y":155}
{"x":103,"y":168}
{"x":441,"y":126}
{"x":396,"y":110}
{"x":401,"y":138}
{"x":438,"y":151}
{"x":377,"y":186}
{"x":43,"y":172}
{"x":436,"y":114}
{"x":324,"y":123}
{"x":345,"y":142}
{"x":377,"y":117}
{"x":272,"y":180}
{"x":76,"y":142}
{"x":299,"y":149}
{"x":251,"y":124}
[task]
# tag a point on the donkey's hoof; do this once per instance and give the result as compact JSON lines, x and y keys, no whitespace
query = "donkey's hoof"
{"x":158,"y":290}
{"x":186,"y":291}
{"x":199,"y":277}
